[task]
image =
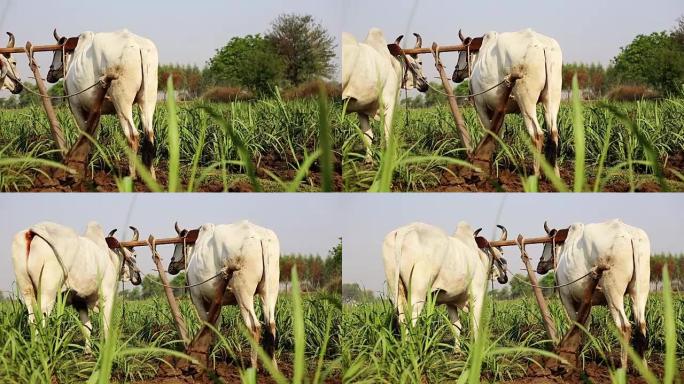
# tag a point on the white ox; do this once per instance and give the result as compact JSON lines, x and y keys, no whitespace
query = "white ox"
{"x":625,"y":250}
{"x":9,"y":76}
{"x":133,"y":61}
{"x":372,"y":77}
{"x":50,"y":259}
{"x":251,"y":256}
{"x":426,"y":259}
{"x":539,"y":60}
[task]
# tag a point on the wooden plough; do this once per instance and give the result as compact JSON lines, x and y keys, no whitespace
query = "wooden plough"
{"x":481,"y":156}
{"x":568,"y":347}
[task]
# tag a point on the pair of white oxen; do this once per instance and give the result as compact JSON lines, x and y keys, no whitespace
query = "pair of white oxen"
{"x":372,"y":78}
{"x":421,"y":259}
{"x":130,"y":60}
{"x":51,"y":259}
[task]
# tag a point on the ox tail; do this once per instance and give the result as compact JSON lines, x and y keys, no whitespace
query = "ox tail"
{"x":46,"y":238}
{"x":21,"y":249}
{"x":148,"y":150}
{"x":264,"y":268}
{"x":398,"y":284}
{"x":551,"y":149}
{"x":640,"y":337}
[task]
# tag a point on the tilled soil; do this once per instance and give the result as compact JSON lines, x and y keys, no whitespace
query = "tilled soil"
{"x":105,"y":180}
{"x":591,"y":373}
{"x":227,"y":373}
{"x":510,"y":181}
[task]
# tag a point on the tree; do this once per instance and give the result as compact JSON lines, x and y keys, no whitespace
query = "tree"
{"x":333,"y":268}
{"x":678,"y":32}
{"x":354,"y":293}
{"x":27,"y":98}
{"x":656,"y":60}
{"x":179,"y":280}
{"x":187,"y":79}
{"x":57,"y":90}
{"x":151,"y":286}
{"x":307,"y":49}
{"x":518,"y":287}
{"x":549,"y":280}
{"x":250,"y":61}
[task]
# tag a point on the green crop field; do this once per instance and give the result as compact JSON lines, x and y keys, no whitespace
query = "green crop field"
{"x":143,"y":334}
{"x":373,"y":353}
{"x":268,"y":144}
{"x":627,"y":146}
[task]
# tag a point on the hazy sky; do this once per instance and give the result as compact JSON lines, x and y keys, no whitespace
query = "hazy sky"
{"x":185,"y":32}
{"x":304,"y":223}
{"x":587,"y":30}
{"x":370,"y":217}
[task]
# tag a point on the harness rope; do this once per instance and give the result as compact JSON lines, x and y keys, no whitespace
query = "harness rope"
{"x":472,"y":94}
{"x":552,"y":286}
{"x":223,"y":271}
{"x":99,"y":82}
{"x":65,"y":57}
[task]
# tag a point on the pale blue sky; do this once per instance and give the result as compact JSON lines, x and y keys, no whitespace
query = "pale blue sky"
{"x":369,"y":217}
{"x":185,"y":32}
{"x":304,"y":223}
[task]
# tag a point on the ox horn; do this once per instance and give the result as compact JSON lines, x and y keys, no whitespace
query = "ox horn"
{"x":504,"y":232}
{"x":419,"y":40}
{"x":460,"y":35}
{"x":136,"y":234}
{"x":398,"y":40}
{"x":112,"y":232}
{"x":546,"y":228}
{"x":10,"y":43}
{"x":178,"y":230}
{"x":477,"y":232}
{"x":57,"y":37}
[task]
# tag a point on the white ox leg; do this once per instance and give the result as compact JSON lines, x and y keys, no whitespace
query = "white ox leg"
{"x":87,"y":328}
{"x":452,"y":311}
{"x":367,"y":136}
{"x":244,"y":288}
{"x":615,"y":300}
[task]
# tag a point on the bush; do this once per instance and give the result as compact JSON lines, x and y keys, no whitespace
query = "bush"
{"x":311,"y":88}
{"x":631,"y":93}
{"x":227,"y":94}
